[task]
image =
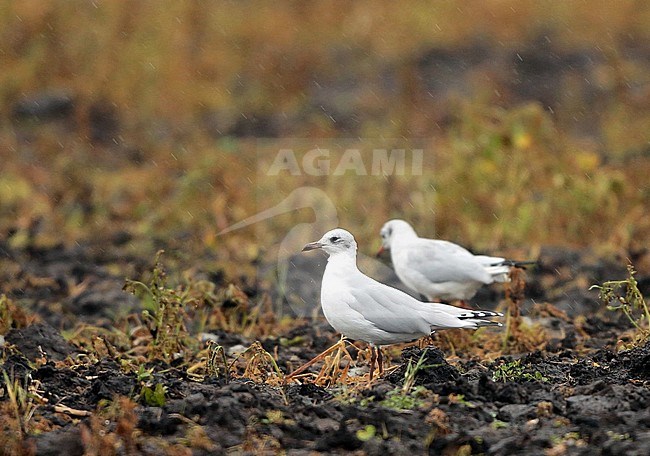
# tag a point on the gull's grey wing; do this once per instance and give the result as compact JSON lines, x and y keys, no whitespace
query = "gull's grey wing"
{"x":442,"y":261}
{"x":394,"y":311}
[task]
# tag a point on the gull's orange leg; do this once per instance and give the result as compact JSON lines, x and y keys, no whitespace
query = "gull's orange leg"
{"x":305,"y":366}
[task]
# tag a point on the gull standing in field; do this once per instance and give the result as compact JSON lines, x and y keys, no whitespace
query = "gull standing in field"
{"x":439,"y":269}
{"x":363,"y":309}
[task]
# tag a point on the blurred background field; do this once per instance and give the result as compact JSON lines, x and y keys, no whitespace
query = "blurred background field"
{"x":135,"y":124}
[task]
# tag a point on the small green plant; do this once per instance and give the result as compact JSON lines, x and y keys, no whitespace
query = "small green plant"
{"x":217,"y":355}
{"x":345,"y":394}
{"x":508,"y":372}
{"x":397,"y":399}
{"x":568,"y":437}
{"x":22,"y":402}
{"x":536,"y":376}
{"x":630,"y":302}
{"x":277,"y":417}
{"x":460,"y":399}
{"x":616,"y":436}
{"x":143,"y":374}
{"x":408,"y":397}
{"x":513,"y":371}
{"x":498,"y":424}
{"x":273,"y":417}
{"x":164,"y":312}
{"x":155,"y":397}
{"x":367,"y":433}
{"x":412,"y":371}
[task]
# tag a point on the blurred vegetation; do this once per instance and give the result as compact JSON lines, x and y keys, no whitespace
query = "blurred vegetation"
{"x":137,"y":120}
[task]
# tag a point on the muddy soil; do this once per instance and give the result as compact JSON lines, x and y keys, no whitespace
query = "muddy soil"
{"x":579,"y":395}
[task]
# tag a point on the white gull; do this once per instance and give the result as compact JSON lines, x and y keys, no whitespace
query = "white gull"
{"x":361,"y":308}
{"x":438,"y":269}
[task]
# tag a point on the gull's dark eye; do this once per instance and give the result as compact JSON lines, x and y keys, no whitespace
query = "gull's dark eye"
{"x":335,"y":239}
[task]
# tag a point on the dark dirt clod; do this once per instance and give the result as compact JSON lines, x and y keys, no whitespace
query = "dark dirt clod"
{"x":105,"y":299}
{"x":38,"y":340}
{"x":65,"y":441}
{"x":637,"y":362}
{"x":435,"y":369}
{"x":17,"y":366}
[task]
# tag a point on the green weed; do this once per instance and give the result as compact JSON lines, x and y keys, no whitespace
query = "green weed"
{"x":617,"y":436}
{"x":399,"y":400}
{"x":514,"y":371}
{"x":216,"y":356}
{"x":408,"y":397}
{"x":346,"y":394}
{"x":624,"y":296}
{"x":143,"y":374}
{"x":412,"y":370}
{"x":460,"y":399}
{"x":498,"y":424}
{"x":164,"y":313}
{"x":22,"y":402}
{"x":154,"y":397}
{"x":573,"y":437}
{"x":367,"y":433}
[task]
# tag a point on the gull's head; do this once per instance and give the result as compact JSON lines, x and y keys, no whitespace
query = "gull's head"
{"x":391,"y":229}
{"x":334,"y":242}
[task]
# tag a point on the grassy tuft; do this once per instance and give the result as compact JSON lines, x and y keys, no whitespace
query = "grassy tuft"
{"x":625,"y":297}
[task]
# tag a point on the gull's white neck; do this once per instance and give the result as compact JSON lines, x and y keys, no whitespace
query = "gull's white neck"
{"x":403,"y":235}
{"x":343,"y":262}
